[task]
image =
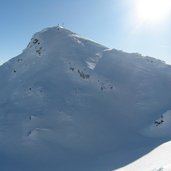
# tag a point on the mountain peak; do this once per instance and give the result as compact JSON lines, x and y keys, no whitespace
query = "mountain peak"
{"x":47,"y":38}
{"x":57,"y":39}
{"x":51,"y":31}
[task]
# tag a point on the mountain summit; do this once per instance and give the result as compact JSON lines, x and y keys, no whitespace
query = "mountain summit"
{"x":69,"y":103}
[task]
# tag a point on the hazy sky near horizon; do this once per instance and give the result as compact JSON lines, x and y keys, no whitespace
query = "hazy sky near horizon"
{"x":113,"y":23}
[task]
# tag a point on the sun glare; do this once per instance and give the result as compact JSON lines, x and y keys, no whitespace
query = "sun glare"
{"x":153,"y":10}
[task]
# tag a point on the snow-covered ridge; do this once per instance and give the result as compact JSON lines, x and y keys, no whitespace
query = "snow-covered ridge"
{"x":66,"y":98}
{"x":59,"y":31}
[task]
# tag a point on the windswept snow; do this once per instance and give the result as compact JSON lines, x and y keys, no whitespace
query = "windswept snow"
{"x":69,"y":103}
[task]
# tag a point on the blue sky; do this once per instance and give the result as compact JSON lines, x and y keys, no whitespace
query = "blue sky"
{"x":113,"y":23}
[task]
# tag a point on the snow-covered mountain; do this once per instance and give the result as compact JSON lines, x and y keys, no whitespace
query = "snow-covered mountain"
{"x":68,"y":103}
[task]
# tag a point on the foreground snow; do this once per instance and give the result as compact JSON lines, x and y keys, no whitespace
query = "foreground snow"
{"x":157,"y":160}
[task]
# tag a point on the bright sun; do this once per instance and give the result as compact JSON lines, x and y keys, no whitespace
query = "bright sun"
{"x":153,"y":10}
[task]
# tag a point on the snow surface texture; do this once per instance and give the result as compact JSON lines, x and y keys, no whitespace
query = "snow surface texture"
{"x":68,"y":103}
{"x":157,"y":160}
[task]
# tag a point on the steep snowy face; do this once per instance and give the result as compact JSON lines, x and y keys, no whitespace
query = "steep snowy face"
{"x":66,"y":98}
{"x":47,"y":81}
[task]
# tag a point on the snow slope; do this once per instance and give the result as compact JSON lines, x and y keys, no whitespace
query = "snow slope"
{"x":68,"y":103}
{"x":157,"y":160}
